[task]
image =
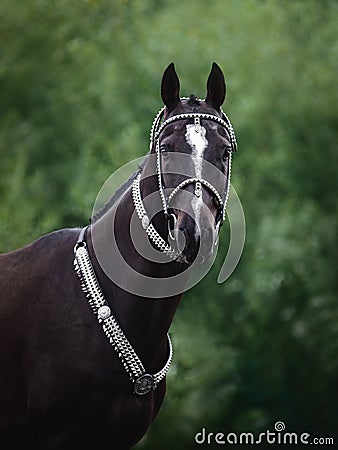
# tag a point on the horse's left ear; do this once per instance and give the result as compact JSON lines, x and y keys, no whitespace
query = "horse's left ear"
{"x":216,"y":87}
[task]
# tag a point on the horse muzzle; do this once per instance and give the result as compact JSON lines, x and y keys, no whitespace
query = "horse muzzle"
{"x":195,"y":241}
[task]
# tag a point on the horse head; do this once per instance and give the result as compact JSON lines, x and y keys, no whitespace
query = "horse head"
{"x":193,"y":140}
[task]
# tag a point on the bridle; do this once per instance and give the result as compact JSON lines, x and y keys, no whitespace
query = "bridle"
{"x":157,"y":128}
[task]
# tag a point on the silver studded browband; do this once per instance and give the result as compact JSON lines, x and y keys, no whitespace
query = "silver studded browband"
{"x":143,"y":382}
{"x":225,"y":123}
{"x":157,"y":129}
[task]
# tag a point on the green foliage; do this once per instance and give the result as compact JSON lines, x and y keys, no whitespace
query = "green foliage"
{"x":79,"y":89}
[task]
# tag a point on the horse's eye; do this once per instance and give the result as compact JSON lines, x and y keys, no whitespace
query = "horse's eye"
{"x":164,"y":150}
{"x":226,"y":153}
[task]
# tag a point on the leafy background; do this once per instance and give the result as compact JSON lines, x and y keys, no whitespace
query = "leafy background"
{"x":79,"y":87}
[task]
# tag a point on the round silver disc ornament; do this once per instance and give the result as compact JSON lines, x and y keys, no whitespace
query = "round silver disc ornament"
{"x":103,"y":312}
{"x":144,"y":384}
{"x":145,"y":222}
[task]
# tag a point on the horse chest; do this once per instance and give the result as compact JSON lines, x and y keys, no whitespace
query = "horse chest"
{"x":93,"y":396}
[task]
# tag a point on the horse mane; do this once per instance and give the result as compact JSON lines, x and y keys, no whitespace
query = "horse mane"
{"x":120,"y":191}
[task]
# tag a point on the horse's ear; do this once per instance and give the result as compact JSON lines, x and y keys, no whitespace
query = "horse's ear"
{"x":216,"y":87}
{"x":170,"y":87}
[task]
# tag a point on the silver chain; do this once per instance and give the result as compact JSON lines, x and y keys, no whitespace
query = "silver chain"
{"x":143,"y":382}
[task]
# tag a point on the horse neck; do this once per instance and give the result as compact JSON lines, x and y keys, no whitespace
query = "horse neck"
{"x":145,"y":321}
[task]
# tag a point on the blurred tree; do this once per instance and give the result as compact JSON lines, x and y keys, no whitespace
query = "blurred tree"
{"x":79,"y":89}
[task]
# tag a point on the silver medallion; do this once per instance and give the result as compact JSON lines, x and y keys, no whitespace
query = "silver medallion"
{"x":103,"y":312}
{"x":145,"y":222}
{"x":144,"y":384}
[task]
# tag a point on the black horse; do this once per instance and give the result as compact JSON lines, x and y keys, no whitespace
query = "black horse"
{"x":69,"y":379}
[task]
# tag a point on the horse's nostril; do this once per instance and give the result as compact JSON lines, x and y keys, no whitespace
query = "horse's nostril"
{"x":188,"y":243}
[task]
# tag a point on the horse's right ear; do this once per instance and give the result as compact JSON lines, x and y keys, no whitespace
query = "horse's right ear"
{"x":170,"y":87}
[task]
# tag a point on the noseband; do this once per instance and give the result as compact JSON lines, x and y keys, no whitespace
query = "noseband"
{"x":222,"y":198}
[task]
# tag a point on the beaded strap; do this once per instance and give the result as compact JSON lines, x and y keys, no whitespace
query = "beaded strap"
{"x":141,"y":212}
{"x":142,"y":381}
{"x":226,"y":124}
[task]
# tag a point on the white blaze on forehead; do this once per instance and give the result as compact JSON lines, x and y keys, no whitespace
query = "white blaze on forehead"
{"x":198,"y":143}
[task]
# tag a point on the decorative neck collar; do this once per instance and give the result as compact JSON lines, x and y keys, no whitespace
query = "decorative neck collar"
{"x":143,"y":382}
